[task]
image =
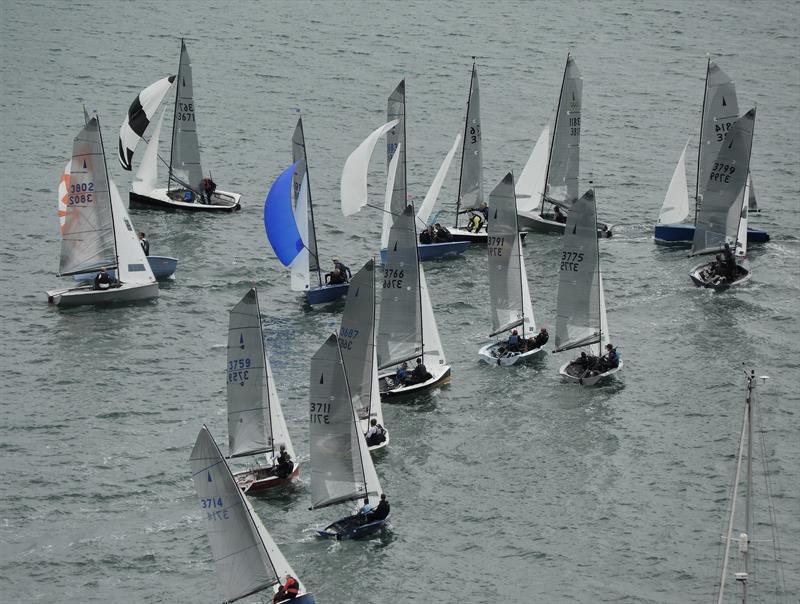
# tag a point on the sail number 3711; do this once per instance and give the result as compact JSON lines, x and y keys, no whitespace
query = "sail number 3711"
{"x":320,"y":413}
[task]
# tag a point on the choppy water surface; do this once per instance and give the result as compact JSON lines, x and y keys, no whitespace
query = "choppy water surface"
{"x":510,"y":483}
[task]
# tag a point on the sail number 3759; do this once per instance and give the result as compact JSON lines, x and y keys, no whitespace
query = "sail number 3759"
{"x":239,"y":371}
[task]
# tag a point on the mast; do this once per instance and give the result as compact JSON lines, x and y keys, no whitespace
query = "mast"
{"x":174,"y":113}
{"x":266,"y":373}
{"x":700,"y":143}
{"x":108,"y":180}
{"x":553,"y":135}
{"x":599,"y":280}
{"x":748,"y":512}
{"x":464,"y":142}
{"x":522,"y":274}
{"x":310,"y":205}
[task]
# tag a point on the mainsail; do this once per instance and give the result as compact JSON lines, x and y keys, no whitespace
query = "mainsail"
{"x":185,"y":168}
{"x":299,"y":154}
{"x":718,"y":216}
{"x":246,"y":558}
{"x":470,"y":183}
{"x":396,"y":141}
{"x":578,"y":314}
{"x":88,"y":227}
{"x":505,"y":260}
{"x":400,"y":325}
{"x":250,"y":429}
{"x":563,"y":167}
{"x":140,"y":114}
{"x":357,"y":340}
{"x":341,"y":467}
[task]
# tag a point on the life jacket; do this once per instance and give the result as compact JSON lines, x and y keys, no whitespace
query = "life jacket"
{"x":291,"y":587}
{"x":475,"y":223}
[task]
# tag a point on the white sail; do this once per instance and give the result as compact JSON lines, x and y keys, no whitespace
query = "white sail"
{"x":676,"y":202}
{"x":470,"y":183}
{"x":563,"y":166}
{"x":246,"y":558}
{"x":353,"y":189}
{"x":432,"y":351}
{"x":185,"y":159}
{"x":741,"y":235}
{"x":147,"y":174}
{"x":396,"y":146}
{"x":138,"y":118}
{"x":388,"y":217}
{"x":301,"y":266}
{"x":530,"y":184}
{"x":298,"y":154}
{"x":341,"y":466}
{"x":133,"y":266}
{"x":425,"y":209}
{"x":87,"y":235}
{"x":578,"y":308}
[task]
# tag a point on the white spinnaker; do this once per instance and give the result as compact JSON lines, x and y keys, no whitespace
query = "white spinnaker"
{"x":676,"y":203}
{"x":530,"y":185}
{"x":425,"y":209}
{"x":388,"y":217}
{"x":431,"y":343}
{"x":353,"y":189}
{"x":133,"y":264}
{"x":300,"y":267}
{"x":147,"y":174}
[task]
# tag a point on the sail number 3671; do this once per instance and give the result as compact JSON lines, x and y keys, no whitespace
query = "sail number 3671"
{"x":184,"y":112}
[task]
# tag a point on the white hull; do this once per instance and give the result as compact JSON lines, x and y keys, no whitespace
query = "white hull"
{"x":588,"y":380}
{"x":224,"y":201}
{"x":364,"y":423}
{"x":489,"y":354}
{"x":534,"y":221}
{"x":389,"y":388}
{"x":78,"y":296}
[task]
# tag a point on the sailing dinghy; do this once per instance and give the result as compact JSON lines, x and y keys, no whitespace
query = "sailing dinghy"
{"x":720,"y":110}
{"x":407,"y":327}
{"x":256,"y":427}
{"x":510,"y":298}
{"x":549,"y":182}
{"x":289,"y":223}
{"x":245,"y":556}
{"x":341,"y":465}
{"x":357,"y":341}
{"x":722,"y":219}
{"x":581,"y":321}
{"x":96,"y":231}
{"x":184,"y":190}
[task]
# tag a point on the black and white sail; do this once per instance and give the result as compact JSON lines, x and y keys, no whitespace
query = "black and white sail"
{"x":719,"y":215}
{"x":341,"y":466}
{"x":140,"y":114}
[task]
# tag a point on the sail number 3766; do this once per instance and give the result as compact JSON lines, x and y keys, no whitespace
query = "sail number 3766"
{"x":393,"y":278}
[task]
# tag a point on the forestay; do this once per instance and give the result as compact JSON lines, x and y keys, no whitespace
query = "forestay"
{"x":676,"y":203}
{"x":88,"y":228}
{"x":718,"y":217}
{"x":720,"y":110}
{"x":578,"y":302}
{"x":139,"y":116}
{"x":299,"y":154}
{"x":353,"y":189}
{"x":250,"y":429}
{"x":400,"y":326}
{"x":396,"y":141}
{"x":357,"y":339}
{"x":470,"y":184}
{"x":185,"y":166}
{"x":341,"y":467}
{"x":563,"y":167}
{"x":245,"y":556}
{"x":504,"y":252}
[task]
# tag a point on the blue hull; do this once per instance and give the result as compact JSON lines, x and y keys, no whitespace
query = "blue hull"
{"x":163,"y":267}
{"x":327,"y":293}
{"x":429,"y":251}
{"x":345,"y":528}
{"x":682,"y":234}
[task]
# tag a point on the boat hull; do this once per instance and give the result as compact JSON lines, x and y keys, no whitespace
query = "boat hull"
{"x":163,"y":267}
{"x":252,"y":482}
{"x":699,"y":276}
{"x":491,"y":354}
{"x":589,"y":380}
{"x":86,"y":294}
{"x":326,"y":293}
{"x":429,"y":251}
{"x":683,"y":234}
{"x":478,"y":238}
{"x":389,"y":389}
{"x":364,"y":423}
{"x":534,"y":221}
{"x":302,"y":599}
{"x":350,"y":528}
{"x":159,"y":199}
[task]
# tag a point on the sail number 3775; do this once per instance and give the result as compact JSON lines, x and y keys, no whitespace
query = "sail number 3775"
{"x":571,"y":261}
